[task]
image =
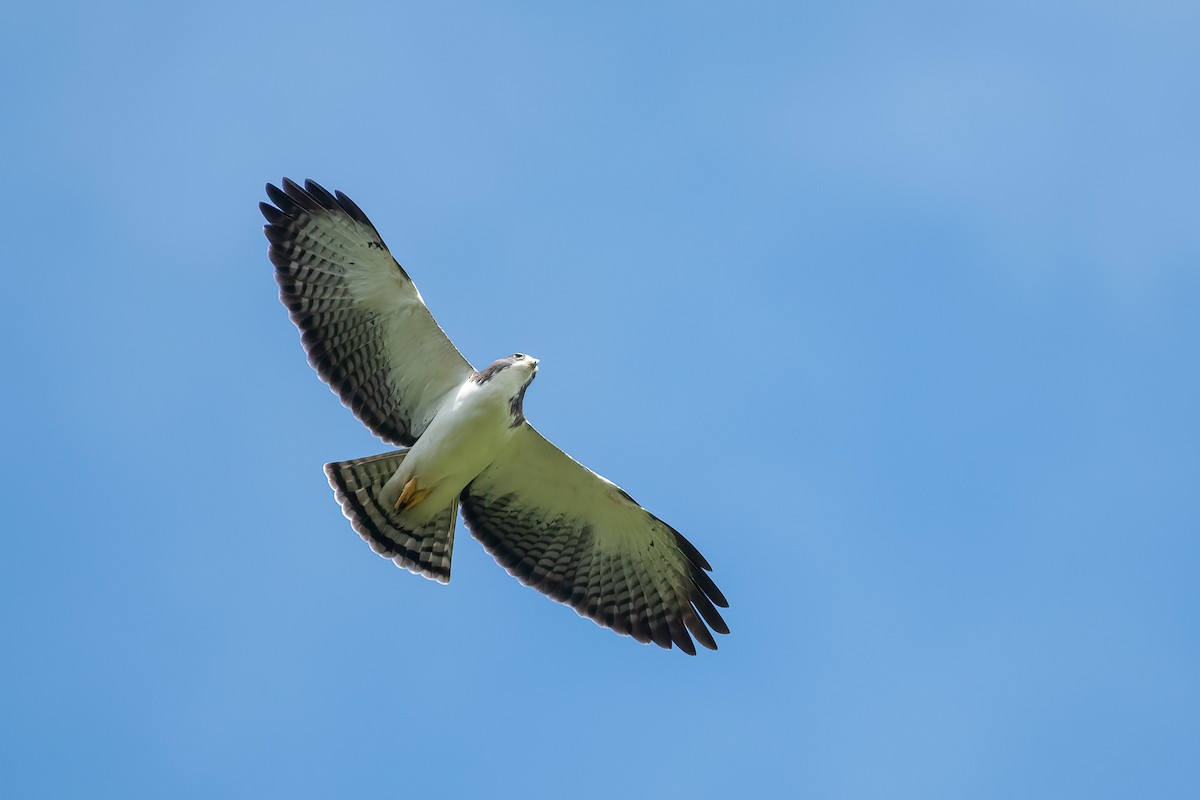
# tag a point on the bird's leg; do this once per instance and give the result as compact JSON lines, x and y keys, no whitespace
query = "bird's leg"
{"x":411,"y":495}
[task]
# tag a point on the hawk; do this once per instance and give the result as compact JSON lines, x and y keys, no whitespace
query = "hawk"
{"x":464,"y":443}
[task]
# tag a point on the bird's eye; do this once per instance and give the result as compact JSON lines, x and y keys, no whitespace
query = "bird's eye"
{"x":518,"y":356}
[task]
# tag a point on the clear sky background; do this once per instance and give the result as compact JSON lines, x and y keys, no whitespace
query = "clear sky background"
{"x":893,"y":309}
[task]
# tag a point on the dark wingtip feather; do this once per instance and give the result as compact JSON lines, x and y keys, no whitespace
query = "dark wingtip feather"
{"x":698,"y":630}
{"x":280,"y":259}
{"x":272,"y":214}
{"x":352,"y":208}
{"x":682,"y":640}
{"x":280,"y":199}
{"x":323,"y":197}
{"x":707,"y":586}
{"x":689,"y":549}
{"x":312,"y":197}
{"x":659,"y":633}
{"x":278,"y":234}
{"x":710,"y":614}
{"x":300,"y":196}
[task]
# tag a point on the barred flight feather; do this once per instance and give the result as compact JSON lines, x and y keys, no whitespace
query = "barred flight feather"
{"x":612,"y":561}
{"x":363,"y":324}
{"x":425,"y":549}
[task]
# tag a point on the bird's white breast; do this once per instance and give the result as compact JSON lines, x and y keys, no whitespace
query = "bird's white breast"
{"x":470,"y":428}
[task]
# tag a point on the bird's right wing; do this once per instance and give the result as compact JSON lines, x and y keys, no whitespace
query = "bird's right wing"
{"x":363,"y":323}
{"x":579,"y":538}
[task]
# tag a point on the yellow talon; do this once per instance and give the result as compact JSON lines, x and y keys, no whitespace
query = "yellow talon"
{"x":411,"y":495}
{"x":417,"y":497}
{"x":406,"y":493}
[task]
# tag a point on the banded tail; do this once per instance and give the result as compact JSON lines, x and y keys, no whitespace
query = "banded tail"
{"x":425,"y":549}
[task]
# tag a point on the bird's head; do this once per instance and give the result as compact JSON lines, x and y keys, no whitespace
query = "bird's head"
{"x":526,"y":364}
{"x":512,"y":376}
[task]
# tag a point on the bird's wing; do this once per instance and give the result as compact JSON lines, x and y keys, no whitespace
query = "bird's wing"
{"x":579,"y":538}
{"x":363,"y":323}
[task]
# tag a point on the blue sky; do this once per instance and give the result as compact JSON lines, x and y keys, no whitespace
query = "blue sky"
{"x":891,"y":308}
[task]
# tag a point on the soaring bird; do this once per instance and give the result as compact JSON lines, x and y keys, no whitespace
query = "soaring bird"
{"x":464,"y":443}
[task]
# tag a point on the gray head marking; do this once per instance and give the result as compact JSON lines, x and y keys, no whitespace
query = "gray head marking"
{"x":501,"y":364}
{"x":516,"y":403}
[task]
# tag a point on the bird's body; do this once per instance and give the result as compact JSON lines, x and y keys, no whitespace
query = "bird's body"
{"x":468,"y":430}
{"x":465,"y":443}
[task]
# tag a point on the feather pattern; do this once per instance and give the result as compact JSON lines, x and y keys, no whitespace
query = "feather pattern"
{"x":363,"y":324}
{"x":424,"y":547}
{"x":578,"y":538}
{"x":551,"y":522}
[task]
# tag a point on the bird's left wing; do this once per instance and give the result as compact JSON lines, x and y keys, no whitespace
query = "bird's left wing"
{"x":579,"y":538}
{"x":363,"y":323}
